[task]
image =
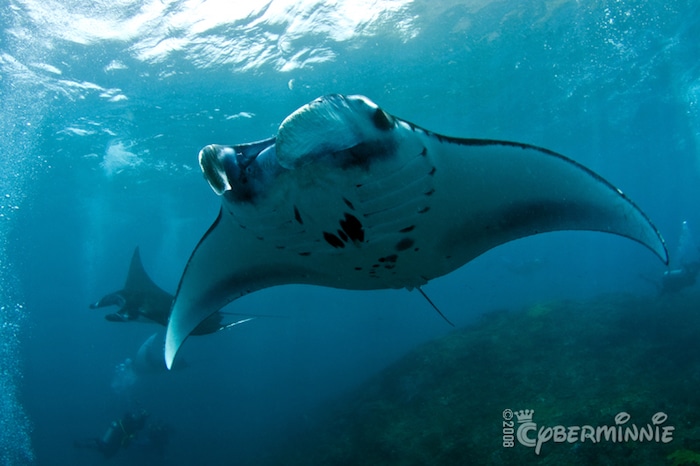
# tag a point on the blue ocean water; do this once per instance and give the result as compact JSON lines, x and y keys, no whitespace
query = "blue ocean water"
{"x":105,"y":107}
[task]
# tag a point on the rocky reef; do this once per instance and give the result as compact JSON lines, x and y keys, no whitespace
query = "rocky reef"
{"x":627,"y":365}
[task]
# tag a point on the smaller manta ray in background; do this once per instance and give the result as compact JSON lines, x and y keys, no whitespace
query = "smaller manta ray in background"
{"x":348,"y":196}
{"x":141,"y":300}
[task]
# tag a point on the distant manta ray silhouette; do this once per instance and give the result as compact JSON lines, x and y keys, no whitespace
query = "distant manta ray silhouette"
{"x":348,"y":196}
{"x":142,"y":300}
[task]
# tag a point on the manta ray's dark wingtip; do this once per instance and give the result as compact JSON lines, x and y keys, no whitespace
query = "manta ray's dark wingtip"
{"x":659,"y":250}
{"x":654,"y":241}
{"x":662,"y":251}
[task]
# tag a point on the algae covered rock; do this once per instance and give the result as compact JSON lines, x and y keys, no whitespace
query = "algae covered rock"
{"x":626,"y":367}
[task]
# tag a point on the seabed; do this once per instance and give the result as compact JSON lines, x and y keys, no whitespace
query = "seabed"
{"x":574,"y":363}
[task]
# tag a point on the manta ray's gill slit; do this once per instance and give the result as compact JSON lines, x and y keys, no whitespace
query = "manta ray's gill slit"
{"x":432,"y":171}
{"x":424,"y":209}
{"x":390,"y":222}
{"x":407,"y":229}
{"x":297,"y":216}
{"x":395,"y":200}
{"x":430,"y":192}
{"x":348,"y":203}
{"x":391,"y":181}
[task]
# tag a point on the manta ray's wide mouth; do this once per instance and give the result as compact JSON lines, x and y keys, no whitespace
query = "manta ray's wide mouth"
{"x":243,"y":171}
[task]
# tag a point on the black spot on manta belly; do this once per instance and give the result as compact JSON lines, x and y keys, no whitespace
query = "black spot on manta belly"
{"x":404,"y":244}
{"x":390,"y":258}
{"x":333,"y":240}
{"x":351,"y":230}
{"x":353,"y":227}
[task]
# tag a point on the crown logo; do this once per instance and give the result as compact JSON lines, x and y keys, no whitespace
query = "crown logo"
{"x":524,"y":415}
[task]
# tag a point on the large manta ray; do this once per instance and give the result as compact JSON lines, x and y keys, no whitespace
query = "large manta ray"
{"x":349,"y":196}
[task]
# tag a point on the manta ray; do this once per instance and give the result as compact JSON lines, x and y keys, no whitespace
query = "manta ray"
{"x":141,"y":300}
{"x":349,"y":196}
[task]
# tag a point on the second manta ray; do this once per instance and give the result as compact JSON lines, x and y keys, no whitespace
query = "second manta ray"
{"x":349,"y":196}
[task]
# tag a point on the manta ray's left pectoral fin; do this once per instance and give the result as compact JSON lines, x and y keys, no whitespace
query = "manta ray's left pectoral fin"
{"x":229,"y":262}
{"x":204,"y":286}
